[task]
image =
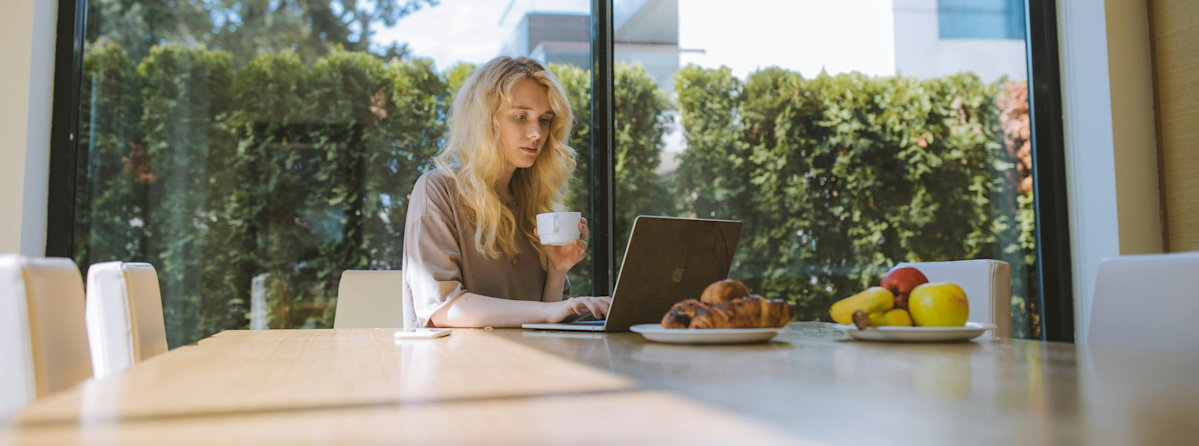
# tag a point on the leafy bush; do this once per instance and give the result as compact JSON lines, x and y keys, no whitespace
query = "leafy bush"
{"x":327,"y":158}
{"x":838,"y":178}
{"x":577,"y":83}
{"x":113,"y":165}
{"x":284,"y":174}
{"x":185,"y":96}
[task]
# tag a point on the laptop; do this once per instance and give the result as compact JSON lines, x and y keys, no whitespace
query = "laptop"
{"x":667,"y":260}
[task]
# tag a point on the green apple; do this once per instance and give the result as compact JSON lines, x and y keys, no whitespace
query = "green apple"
{"x":939,"y":305}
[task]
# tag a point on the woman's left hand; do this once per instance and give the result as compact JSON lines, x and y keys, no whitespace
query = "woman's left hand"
{"x":563,"y":258}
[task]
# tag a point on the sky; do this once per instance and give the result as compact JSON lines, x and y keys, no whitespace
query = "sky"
{"x":800,"y":35}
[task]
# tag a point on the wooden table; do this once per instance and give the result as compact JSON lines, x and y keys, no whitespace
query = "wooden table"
{"x":366,"y":387}
{"x":817,"y":384}
{"x":811,"y":386}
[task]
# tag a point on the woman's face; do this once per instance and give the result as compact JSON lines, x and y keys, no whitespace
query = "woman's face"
{"x":525,"y":126}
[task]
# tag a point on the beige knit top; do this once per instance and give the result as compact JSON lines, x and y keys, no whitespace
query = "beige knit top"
{"x":441,"y":260}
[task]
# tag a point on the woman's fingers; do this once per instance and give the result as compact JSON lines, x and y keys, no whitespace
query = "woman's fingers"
{"x":594,"y":308}
{"x":577,"y":306}
{"x":597,"y":306}
{"x":603,"y":304}
{"x":583,"y":232}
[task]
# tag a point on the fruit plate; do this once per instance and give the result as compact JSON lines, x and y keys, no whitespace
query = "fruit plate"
{"x":916,"y":334}
{"x":655,"y":333}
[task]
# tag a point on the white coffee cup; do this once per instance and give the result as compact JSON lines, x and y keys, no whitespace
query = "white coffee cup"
{"x":558,"y":228}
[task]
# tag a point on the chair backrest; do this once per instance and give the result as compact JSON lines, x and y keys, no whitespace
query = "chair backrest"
{"x":370,"y":299}
{"x":988,"y":287}
{"x":124,"y":316}
{"x":43,"y":340}
{"x":1147,"y":301}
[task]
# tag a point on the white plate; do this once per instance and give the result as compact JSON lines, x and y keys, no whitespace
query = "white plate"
{"x":656,"y":333}
{"x":916,"y":334}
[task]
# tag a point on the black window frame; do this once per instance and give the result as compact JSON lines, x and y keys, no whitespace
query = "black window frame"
{"x":1055,"y":289}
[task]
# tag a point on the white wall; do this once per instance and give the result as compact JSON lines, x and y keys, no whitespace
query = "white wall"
{"x":27,"y":55}
{"x":1090,"y":167}
{"x":1103,"y":218}
{"x":1107,"y":83}
{"x":1134,"y":129}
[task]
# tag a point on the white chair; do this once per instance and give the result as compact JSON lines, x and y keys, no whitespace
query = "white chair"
{"x":369,"y":299}
{"x":988,"y":287}
{"x":124,"y":316}
{"x":43,"y":341}
{"x":1147,"y":301}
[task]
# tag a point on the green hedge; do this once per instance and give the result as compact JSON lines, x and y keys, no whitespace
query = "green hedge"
{"x":327,"y":157}
{"x":838,"y":178}
{"x":293,"y":173}
{"x":185,"y":95}
{"x":113,"y":167}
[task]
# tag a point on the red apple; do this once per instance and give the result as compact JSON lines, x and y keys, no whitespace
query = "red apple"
{"x":901,"y":281}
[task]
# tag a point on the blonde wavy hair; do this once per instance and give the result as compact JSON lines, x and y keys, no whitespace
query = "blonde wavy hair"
{"x":474,"y":156}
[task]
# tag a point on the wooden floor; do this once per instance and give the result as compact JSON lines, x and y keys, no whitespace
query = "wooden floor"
{"x":812,"y":385}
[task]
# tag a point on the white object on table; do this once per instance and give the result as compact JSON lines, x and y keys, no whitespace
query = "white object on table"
{"x":988,"y":287}
{"x":423,"y":333}
{"x":656,"y":333}
{"x":43,"y":340}
{"x":1147,"y":301}
{"x":916,"y":334}
{"x":370,"y":299}
{"x":124,"y":316}
{"x":258,"y":314}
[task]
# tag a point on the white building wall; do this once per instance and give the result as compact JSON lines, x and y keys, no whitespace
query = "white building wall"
{"x":920,"y":51}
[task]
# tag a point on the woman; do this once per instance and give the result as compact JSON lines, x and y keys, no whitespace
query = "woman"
{"x":471,"y":253}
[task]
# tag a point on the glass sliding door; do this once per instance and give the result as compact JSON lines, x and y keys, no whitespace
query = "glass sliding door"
{"x":252,"y":150}
{"x":846,"y":136}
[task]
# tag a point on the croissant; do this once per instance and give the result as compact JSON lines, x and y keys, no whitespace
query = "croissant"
{"x":723,"y":291}
{"x":746,"y":312}
{"x":681,"y":313}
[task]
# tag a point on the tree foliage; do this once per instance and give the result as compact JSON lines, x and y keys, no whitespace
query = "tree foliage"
{"x":245,"y":28}
{"x":838,"y":178}
{"x":286,"y":172}
{"x":185,"y":96}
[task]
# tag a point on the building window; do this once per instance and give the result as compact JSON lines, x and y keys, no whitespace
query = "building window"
{"x":981,"y":19}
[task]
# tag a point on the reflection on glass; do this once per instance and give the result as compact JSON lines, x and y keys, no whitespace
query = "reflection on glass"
{"x":847,"y":136}
{"x":252,"y":151}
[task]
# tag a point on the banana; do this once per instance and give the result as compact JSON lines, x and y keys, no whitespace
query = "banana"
{"x":873,"y":300}
{"x":896,"y":317}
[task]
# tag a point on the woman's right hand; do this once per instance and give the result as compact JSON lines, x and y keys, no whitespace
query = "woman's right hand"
{"x":576,"y":307}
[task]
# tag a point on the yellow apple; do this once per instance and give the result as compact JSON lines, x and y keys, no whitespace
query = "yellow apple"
{"x":939,"y":305}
